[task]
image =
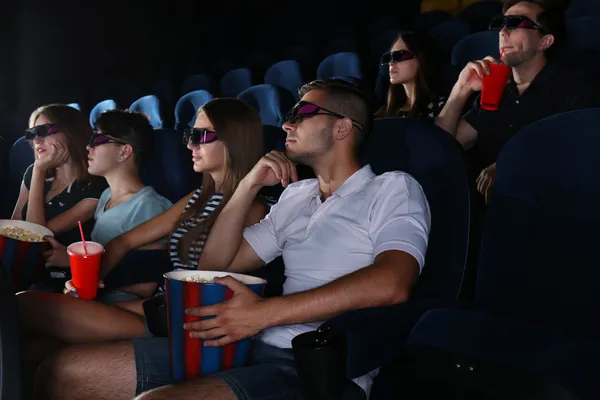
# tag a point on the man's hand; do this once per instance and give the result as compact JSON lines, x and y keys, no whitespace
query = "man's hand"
{"x":485,"y":181}
{"x":472,"y":75}
{"x":273,"y":168}
{"x":238,"y":318}
{"x":57,"y":256}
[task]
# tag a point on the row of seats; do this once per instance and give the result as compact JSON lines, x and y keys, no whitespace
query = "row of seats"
{"x":534,"y":309}
{"x":531,"y":331}
{"x":283,"y":79}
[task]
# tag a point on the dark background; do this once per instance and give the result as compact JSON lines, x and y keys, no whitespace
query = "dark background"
{"x":68,"y":51}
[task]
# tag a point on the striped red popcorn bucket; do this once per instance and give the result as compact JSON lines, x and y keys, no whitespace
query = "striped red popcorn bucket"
{"x":189,"y":357}
{"x":22,"y":252}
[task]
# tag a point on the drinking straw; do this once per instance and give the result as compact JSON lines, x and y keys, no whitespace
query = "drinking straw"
{"x":82,"y":238}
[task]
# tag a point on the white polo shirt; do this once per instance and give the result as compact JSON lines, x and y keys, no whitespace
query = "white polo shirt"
{"x":323,"y":241}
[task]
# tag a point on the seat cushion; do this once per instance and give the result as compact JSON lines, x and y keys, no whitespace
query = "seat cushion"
{"x":571,"y":361}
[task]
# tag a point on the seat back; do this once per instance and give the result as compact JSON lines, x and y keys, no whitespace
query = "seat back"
{"x":540,"y":240}
{"x":448,"y":34}
{"x":19,"y":159}
{"x":170,"y":169}
{"x":100,"y":108}
{"x":476,"y":47}
{"x":286,"y":74}
{"x":584,"y":32}
{"x":150,"y":107}
{"x":235,"y":82}
{"x":187,"y":107}
{"x":436,"y":161}
{"x":10,"y":342}
{"x":340,"y":64}
{"x":272,"y":102}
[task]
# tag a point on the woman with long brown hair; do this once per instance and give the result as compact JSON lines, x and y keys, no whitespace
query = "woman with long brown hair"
{"x":413,"y":65}
{"x":226,"y":142}
{"x":57,"y":190}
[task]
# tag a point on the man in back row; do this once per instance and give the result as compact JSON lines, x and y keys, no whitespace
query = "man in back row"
{"x":350,"y":240}
{"x":540,"y":85}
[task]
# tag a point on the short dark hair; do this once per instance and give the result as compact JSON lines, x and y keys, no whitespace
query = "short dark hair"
{"x":347,"y":98}
{"x":551,"y":18}
{"x":130,"y":127}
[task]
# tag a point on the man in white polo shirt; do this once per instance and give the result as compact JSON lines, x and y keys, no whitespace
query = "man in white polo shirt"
{"x":349,"y":239}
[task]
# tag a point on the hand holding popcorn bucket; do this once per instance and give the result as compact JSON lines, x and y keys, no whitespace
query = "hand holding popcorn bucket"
{"x":22,"y":248}
{"x":188,"y":289}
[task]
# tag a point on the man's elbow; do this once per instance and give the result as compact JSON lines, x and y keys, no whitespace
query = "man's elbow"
{"x":398,"y":295}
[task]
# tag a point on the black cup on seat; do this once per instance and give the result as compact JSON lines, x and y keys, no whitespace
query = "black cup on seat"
{"x":321,"y":357}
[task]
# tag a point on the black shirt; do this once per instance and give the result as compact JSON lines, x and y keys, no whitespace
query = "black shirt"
{"x":555,"y":89}
{"x":65,"y":200}
{"x":434,"y":107}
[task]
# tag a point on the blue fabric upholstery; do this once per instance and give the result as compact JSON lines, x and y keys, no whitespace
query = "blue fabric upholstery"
{"x":150,"y":107}
{"x":529,"y":348}
{"x":340,"y":64}
{"x":235,"y":82}
{"x":435,"y":159}
{"x":544,"y":198}
{"x":19,"y":158}
{"x":100,"y":108}
{"x":170,"y":170}
{"x":272,"y":102}
{"x":286,"y":74}
{"x":449,"y":33}
{"x":584,"y":32}
{"x":187,"y":107}
{"x":536,"y":297}
{"x":476,"y":47}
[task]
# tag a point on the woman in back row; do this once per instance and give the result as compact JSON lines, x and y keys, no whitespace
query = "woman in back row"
{"x":413,"y":66}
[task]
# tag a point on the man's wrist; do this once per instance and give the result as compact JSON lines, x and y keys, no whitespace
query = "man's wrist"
{"x":271,"y":310}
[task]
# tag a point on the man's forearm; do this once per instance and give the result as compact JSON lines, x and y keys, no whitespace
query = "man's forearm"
{"x":226,"y":234}
{"x":450,"y":116}
{"x":372,"y":286}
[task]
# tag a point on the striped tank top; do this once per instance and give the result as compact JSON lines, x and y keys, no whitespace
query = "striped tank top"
{"x":195,"y":249}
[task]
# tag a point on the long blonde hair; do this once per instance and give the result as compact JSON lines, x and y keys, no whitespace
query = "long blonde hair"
{"x":76,"y":129}
{"x":239,"y":128}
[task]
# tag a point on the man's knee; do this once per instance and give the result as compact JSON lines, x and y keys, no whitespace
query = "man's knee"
{"x":104,"y":371}
{"x":55,"y":373}
{"x":209,"y":388}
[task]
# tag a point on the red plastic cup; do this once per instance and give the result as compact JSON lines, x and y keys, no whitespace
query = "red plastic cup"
{"x":85,"y":268}
{"x":493,"y":86}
